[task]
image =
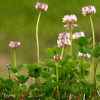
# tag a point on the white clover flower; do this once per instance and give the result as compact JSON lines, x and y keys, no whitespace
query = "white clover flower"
{"x":88,"y":10}
{"x":70,"y":19}
{"x":14,"y":44}
{"x":63,"y":40}
{"x":78,"y":35}
{"x":41,"y":6}
{"x":64,"y":34}
{"x":84,"y":55}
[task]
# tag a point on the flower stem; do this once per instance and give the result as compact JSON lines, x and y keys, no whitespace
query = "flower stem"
{"x":93,"y":34}
{"x":14,"y":58}
{"x":93,"y":68}
{"x":37,"y":39}
{"x":62,"y":52}
{"x":57,"y":79}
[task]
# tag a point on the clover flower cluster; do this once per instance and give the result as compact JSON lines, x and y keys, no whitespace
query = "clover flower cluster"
{"x":41,"y":6}
{"x":70,"y":21}
{"x":88,"y":10}
{"x":14,"y":44}
{"x":78,"y":35}
{"x":84,"y":55}
{"x":64,"y":38}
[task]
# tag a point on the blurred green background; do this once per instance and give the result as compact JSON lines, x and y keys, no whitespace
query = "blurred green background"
{"x":18,"y":19}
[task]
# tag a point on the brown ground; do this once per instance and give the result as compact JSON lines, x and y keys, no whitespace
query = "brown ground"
{"x":3,"y":61}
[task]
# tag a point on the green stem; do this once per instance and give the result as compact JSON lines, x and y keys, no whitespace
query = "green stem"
{"x":14,"y":58}
{"x":37,"y":39}
{"x":57,"y":74}
{"x":62,"y":52}
{"x":57,"y":79}
{"x":93,"y":59}
{"x":93,"y":34}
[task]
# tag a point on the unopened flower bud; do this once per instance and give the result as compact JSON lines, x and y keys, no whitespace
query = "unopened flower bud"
{"x":57,"y":58}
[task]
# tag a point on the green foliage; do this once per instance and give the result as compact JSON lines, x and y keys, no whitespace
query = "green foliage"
{"x":96,"y":51}
{"x":34,"y":70}
{"x":72,"y":80}
{"x":83,"y":41}
{"x":22,"y":78}
{"x":53,"y":51}
{"x":98,"y":77}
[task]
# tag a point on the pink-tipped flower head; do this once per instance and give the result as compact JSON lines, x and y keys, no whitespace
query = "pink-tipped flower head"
{"x":41,"y":6}
{"x":78,"y":35}
{"x":14,"y":44}
{"x":63,"y":40}
{"x":70,"y":21}
{"x":88,"y":10}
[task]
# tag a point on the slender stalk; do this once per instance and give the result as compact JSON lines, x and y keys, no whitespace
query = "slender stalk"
{"x":93,"y":34}
{"x":62,"y":52}
{"x":37,"y":39}
{"x":93,"y":67}
{"x":14,"y":58}
{"x":57,"y":79}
